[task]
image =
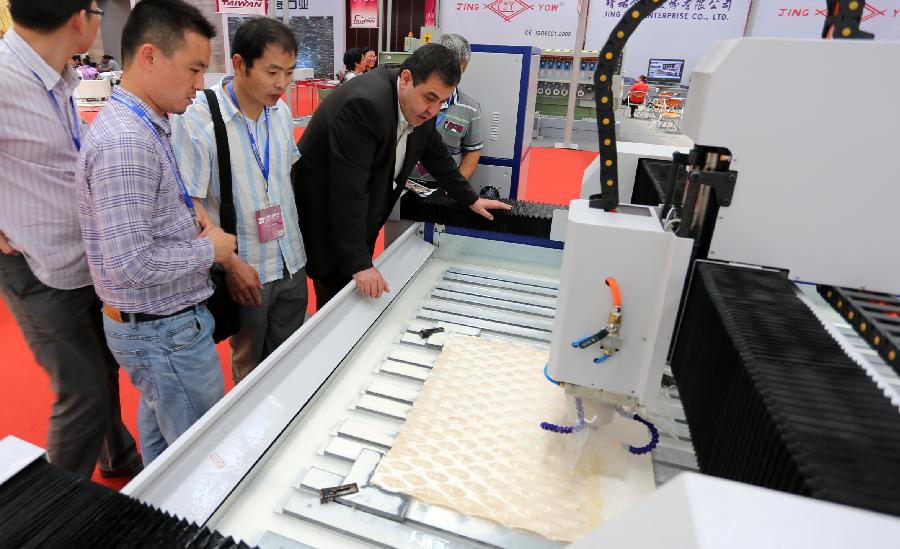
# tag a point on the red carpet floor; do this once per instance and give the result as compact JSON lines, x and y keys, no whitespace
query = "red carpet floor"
{"x":554,"y":177}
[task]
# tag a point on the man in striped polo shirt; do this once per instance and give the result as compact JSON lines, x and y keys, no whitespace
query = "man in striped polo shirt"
{"x":266,"y":277}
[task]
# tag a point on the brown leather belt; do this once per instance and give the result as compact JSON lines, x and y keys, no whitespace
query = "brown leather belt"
{"x":115,"y":314}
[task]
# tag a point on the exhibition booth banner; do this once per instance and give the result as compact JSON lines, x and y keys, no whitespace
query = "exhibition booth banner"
{"x":677,"y":30}
{"x":544,"y":24}
{"x":805,"y":19}
{"x":364,"y":14}
{"x":242,"y":7}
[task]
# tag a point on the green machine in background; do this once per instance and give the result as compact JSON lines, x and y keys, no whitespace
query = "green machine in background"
{"x":554,"y":83}
{"x":392,"y":59}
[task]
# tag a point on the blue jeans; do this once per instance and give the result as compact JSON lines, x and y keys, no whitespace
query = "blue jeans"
{"x":174,"y":364}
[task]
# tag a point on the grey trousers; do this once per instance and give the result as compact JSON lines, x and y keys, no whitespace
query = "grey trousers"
{"x":64,"y":331}
{"x":265,"y":327}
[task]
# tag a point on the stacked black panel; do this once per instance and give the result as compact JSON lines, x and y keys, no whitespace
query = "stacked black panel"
{"x":772,"y":400}
{"x":44,"y":506}
{"x":525,"y":218}
{"x":651,"y":179}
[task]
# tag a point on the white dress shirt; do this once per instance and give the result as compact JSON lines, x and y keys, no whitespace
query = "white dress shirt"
{"x":404,"y":128}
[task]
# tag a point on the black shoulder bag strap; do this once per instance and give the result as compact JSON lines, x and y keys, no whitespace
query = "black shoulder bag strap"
{"x":223,"y":309}
{"x":227,"y":215}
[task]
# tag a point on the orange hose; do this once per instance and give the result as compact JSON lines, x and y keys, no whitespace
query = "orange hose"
{"x":616,"y":294}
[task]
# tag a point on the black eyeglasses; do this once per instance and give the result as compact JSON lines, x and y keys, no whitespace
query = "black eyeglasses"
{"x":95,"y":11}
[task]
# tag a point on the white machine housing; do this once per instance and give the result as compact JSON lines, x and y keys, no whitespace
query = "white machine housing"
{"x":699,"y":512}
{"x":650,"y":266}
{"x":814,"y":143}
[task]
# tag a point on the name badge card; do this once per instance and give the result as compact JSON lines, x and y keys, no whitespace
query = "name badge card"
{"x":454,"y":127}
{"x":269,"y":223}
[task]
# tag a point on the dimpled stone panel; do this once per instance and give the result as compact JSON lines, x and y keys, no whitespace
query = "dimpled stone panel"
{"x":473,"y":443}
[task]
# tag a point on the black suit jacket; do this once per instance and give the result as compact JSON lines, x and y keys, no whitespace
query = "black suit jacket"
{"x":343,"y":182}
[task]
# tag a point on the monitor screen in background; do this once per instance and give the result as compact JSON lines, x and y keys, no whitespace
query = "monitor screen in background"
{"x":665,"y":70}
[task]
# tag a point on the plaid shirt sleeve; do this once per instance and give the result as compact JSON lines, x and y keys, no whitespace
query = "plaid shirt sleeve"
{"x":123,"y":180}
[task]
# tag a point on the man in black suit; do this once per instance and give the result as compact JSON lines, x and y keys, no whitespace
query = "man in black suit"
{"x":356,"y":154}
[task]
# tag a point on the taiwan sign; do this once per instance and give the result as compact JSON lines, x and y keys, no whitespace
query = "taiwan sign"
{"x":242,"y":7}
{"x":364,"y":14}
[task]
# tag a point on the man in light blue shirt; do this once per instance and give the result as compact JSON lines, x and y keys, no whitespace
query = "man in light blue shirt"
{"x":266,"y":277}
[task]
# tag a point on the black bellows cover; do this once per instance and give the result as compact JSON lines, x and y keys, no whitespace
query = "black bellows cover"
{"x":525,"y":218}
{"x":651,"y":179}
{"x":772,"y":400}
{"x":45,"y":506}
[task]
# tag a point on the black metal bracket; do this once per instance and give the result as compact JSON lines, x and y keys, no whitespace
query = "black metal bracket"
{"x":330,"y":494}
{"x":721,"y":182}
{"x":428,"y":332}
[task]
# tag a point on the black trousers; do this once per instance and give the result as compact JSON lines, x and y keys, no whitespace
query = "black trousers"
{"x":64,"y":330}
{"x":328,"y":286}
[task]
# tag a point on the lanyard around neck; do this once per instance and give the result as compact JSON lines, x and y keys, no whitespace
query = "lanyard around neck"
{"x":75,"y":130}
{"x":443,"y":112}
{"x":167,"y":147}
{"x":263,"y":166}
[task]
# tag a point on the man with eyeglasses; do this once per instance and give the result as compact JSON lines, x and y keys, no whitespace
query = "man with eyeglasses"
{"x":44,"y":277}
